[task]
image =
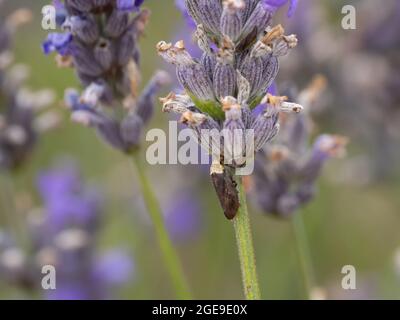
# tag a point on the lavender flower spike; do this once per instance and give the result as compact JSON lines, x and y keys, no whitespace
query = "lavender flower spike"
{"x":101,"y":43}
{"x":240,"y":61}
{"x":123,"y":134}
{"x":104,"y":53}
{"x":286,"y":171}
{"x":106,"y":58}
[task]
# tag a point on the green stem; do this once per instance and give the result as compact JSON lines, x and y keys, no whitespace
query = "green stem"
{"x":244,"y":243}
{"x":303,"y":253}
{"x":169,"y":253}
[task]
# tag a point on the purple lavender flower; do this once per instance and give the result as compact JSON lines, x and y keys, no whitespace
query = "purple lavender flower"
{"x":286,"y":171}
{"x":106,"y":56}
{"x":68,"y":291}
{"x":122,"y":134}
{"x":240,"y":61}
{"x":369,"y":50}
{"x":114,"y":268}
{"x":73,"y":212}
{"x":65,"y":237}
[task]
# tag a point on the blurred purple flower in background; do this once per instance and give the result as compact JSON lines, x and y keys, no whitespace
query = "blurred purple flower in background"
{"x":286,"y":171}
{"x":240,"y":59}
{"x":67,"y":202}
{"x":114,"y":268}
{"x":64,"y":236}
{"x":284,"y":181}
{"x":183,"y":217}
{"x":370,"y":50}
{"x":21,"y":117}
{"x":272,"y":5}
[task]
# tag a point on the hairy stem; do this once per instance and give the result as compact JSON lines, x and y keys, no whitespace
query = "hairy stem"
{"x":244,"y":243}
{"x":303,"y":253}
{"x":169,"y":254}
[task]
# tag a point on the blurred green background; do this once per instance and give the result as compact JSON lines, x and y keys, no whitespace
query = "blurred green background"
{"x":346,"y":224}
